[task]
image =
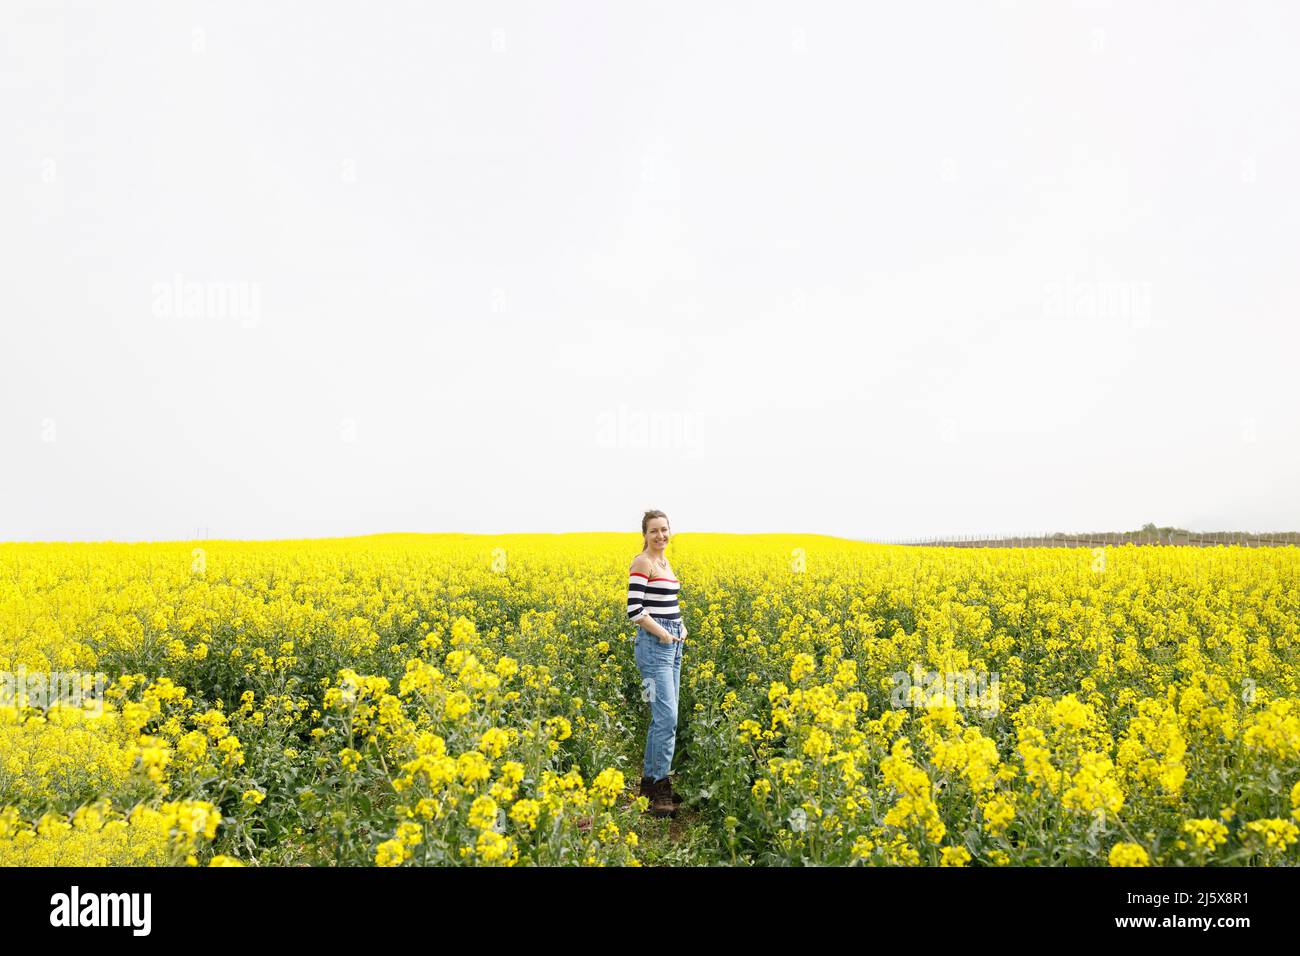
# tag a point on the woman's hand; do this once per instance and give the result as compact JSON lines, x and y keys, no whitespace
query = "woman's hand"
{"x":668,"y":637}
{"x":658,"y":630}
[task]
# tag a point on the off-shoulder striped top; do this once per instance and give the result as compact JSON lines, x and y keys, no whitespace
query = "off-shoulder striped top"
{"x":654,"y":596}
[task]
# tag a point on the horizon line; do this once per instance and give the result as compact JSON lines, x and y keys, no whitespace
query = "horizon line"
{"x":935,"y":538}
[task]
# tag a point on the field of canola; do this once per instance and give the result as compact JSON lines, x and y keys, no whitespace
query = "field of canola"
{"x":467,"y":700}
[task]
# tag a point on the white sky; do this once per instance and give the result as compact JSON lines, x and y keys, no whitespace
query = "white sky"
{"x":878,"y":272}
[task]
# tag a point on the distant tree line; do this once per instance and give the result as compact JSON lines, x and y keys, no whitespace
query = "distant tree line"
{"x":1148,"y":534}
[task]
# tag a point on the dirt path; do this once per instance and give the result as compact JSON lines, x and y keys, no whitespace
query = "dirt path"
{"x":683,"y":839}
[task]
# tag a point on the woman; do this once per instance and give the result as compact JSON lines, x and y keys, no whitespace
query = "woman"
{"x":652,"y":591}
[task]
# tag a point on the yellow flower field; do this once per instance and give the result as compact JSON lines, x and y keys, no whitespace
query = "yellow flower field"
{"x":472,"y":700}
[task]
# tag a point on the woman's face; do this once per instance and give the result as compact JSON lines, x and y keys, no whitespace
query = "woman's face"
{"x":657,"y":533}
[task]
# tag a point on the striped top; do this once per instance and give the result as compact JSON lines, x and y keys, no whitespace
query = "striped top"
{"x":654,"y":596}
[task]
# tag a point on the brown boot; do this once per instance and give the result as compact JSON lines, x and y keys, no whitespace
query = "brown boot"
{"x":661,"y":800}
{"x":676,"y":797}
{"x":647,"y":783}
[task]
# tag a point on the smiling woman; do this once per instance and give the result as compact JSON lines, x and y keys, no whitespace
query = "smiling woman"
{"x":652,"y":602}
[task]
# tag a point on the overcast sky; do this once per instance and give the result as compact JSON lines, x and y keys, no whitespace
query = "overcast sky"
{"x":308,"y":269}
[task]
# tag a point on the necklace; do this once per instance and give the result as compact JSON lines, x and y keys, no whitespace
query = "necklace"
{"x":660,"y":564}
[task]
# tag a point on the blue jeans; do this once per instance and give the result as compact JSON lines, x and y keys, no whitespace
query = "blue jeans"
{"x":661,"y":676}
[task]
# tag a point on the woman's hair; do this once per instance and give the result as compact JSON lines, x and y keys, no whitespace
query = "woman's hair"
{"x":645,"y":518}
